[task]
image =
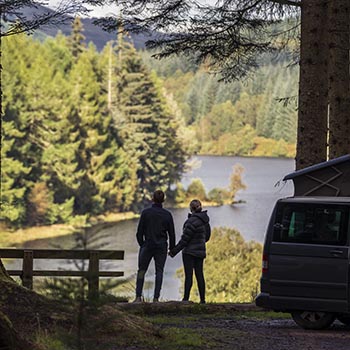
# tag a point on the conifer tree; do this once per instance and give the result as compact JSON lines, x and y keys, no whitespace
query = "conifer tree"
{"x":99,"y":154}
{"x":59,"y":162}
{"x":13,"y":208}
{"x":76,"y":39}
{"x":41,"y":130}
{"x":146,"y":128}
{"x":19,"y":153}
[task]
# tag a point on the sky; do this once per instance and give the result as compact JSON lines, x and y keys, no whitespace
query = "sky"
{"x":97,"y":11}
{"x":100,"y":11}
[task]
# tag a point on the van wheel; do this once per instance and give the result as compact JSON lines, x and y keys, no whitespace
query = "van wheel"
{"x":344,"y":319}
{"x":313,"y":319}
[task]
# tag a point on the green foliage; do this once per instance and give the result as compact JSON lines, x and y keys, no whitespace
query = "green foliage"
{"x":236,"y":183}
{"x":232,"y":267}
{"x":219,"y":195}
{"x":271,"y":148}
{"x":221,"y":112}
{"x":196,"y":190}
{"x":66,"y":151}
{"x":241,"y":143}
{"x":176,"y":196}
{"x":182,"y":337}
{"x":50,"y":341}
{"x":12,"y":171}
{"x":76,"y":40}
{"x":39,"y":200}
{"x":147,"y":127}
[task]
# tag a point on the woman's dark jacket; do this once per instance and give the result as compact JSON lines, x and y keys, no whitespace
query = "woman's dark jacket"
{"x":196,"y":231}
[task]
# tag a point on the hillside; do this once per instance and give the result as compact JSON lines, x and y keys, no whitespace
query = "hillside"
{"x":254,"y":116}
{"x":168,"y":326}
{"x":92,"y":32}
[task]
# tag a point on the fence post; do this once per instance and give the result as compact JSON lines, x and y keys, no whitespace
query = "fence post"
{"x":93,"y":276}
{"x":27,"y":269}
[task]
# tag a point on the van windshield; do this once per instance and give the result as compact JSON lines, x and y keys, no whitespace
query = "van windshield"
{"x":310,"y":223}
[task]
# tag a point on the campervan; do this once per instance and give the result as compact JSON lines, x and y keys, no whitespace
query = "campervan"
{"x":306,"y":258}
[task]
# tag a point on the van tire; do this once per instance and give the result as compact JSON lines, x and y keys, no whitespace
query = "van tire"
{"x":313,"y":319}
{"x":345,"y":319}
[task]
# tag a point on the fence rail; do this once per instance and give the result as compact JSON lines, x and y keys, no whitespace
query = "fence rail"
{"x":92,"y":274}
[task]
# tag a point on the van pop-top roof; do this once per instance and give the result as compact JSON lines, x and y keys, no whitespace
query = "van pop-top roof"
{"x":331,"y":178}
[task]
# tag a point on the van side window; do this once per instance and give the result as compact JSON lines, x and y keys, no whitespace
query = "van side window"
{"x":312,"y":224}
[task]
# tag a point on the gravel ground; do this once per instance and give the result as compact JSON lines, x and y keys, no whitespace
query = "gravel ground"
{"x":277,"y":334}
{"x":235,"y":327}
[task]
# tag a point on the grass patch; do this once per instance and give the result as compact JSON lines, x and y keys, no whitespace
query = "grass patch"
{"x":50,"y":341}
{"x":262,"y":315}
{"x":173,"y":320}
{"x":178,"y":338}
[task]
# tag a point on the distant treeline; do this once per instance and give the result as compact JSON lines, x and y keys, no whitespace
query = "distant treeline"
{"x":256,"y":117}
{"x":83,"y":133}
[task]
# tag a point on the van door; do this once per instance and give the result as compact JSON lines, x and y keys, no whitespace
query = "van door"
{"x":309,"y":257}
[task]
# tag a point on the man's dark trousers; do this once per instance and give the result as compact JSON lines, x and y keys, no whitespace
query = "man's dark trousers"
{"x":159,"y":253}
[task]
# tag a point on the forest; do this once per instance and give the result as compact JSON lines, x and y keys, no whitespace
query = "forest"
{"x":255,"y":116}
{"x":83,"y":132}
{"x":87,"y":132}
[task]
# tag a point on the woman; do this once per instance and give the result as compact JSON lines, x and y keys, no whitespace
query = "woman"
{"x":196,"y":232}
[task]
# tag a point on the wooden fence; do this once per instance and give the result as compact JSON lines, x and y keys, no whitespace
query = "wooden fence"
{"x":92,"y":274}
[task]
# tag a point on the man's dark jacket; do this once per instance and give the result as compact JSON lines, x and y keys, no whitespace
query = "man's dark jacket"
{"x":196,"y":232}
{"x":155,"y":226}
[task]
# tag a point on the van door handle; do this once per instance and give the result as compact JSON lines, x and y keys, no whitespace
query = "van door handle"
{"x":336,"y":252}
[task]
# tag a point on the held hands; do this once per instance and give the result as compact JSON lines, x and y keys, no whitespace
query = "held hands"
{"x":171,"y":254}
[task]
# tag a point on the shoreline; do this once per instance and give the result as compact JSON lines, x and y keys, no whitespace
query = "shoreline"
{"x":14,"y":238}
{"x":232,"y":156}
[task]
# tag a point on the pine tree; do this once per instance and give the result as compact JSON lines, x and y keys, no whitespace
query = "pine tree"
{"x":13,"y":206}
{"x":59,"y":162}
{"x":99,"y":154}
{"x":41,"y":126}
{"x":76,"y":39}
{"x":19,"y":152}
{"x":147,"y":129}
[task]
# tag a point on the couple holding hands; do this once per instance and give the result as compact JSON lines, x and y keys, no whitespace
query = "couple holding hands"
{"x":156,"y":225}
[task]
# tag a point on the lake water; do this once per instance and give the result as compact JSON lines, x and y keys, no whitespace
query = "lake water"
{"x":263,"y":178}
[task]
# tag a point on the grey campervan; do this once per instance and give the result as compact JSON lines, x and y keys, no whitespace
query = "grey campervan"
{"x":306,"y":256}
{"x":306,"y":260}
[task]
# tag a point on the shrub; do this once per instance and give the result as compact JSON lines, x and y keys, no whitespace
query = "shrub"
{"x":196,"y":190}
{"x":232,"y":268}
{"x":236,"y":182}
{"x":39,"y":201}
{"x":218,"y":195}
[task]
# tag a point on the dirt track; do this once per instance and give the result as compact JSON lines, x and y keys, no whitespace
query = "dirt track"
{"x":237,"y":327}
{"x":278,"y":334}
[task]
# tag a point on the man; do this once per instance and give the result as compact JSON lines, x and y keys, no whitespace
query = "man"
{"x":155,"y":226}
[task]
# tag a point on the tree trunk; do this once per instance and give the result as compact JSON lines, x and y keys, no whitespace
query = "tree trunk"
{"x":339,"y":78}
{"x":313,"y":87}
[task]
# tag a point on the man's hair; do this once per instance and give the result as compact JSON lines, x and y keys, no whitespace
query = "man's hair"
{"x":195,"y":206}
{"x":158,"y":196}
